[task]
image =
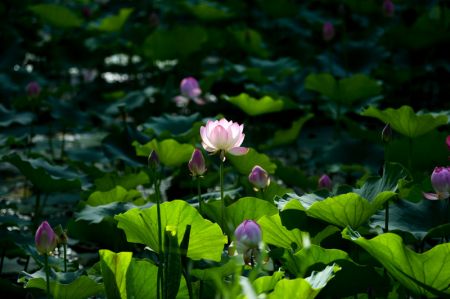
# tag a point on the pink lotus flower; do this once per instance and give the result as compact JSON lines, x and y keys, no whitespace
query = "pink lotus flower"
{"x":197,"y":163}
{"x":440,"y":180}
{"x":223,"y":136}
{"x":388,"y":8}
{"x":45,"y":238}
{"x":33,"y":89}
{"x":248,"y":235}
{"x":259,"y":177}
{"x":189,"y":87}
{"x":328,"y":31}
{"x":325,"y":182}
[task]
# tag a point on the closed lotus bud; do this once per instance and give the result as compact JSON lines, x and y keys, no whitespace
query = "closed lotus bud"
{"x":248,"y":235}
{"x":325,"y":182}
{"x":45,"y":238}
{"x":386,"y":134}
{"x":259,"y":177}
{"x":388,"y":8}
{"x":153,"y":160}
{"x":189,"y":88}
{"x":440,"y":180}
{"x":197,"y":163}
{"x":33,"y":89}
{"x":328,"y":31}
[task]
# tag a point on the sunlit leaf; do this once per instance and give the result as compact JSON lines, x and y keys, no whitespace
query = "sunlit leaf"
{"x":274,"y":233}
{"x":57,"y":15}
{"x":244,"y":164}
{"x":114,"y":22}
{"x":254,"y":107}
{"x":170,"y":152}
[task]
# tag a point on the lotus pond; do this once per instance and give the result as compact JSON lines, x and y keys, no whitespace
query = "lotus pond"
{"x":224,"y":149}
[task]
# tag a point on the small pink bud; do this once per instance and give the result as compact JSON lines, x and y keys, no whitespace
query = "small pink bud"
{"x":189,"y":88}
{"x":153,"y":160}
{"x":388,"y":8}
{"x":45,"y":238}
{"x":33,"y":89}
{"x":259,"y":177}
{"x":325,"y":182}
{"x":328,"y":31}
{"x":440,"y":180}
{"x":197,"y":163}
{"x":248,"y":235}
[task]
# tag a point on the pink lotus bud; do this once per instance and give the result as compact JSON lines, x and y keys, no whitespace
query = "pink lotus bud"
{"x":33,"y":89}
{"x":328,"y":31}
{"x":440,"y":180}
{"x":224,"y":136}
{"x":448,"y":142}
{"x":45,"y":238}
{"x":197,"y":163}
{"x":189,"y":88}
{"x":153,"y":160}
{"x":388,"y":8}
{"x":325,"y":182}
{"x":248,"y":235}
{"x":259,"y":177}
{"x":386,"y":134}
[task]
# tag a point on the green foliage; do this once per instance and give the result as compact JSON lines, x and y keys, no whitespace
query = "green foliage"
{"x":170,"y":152}
{"x":244,"y":164}
{"x":57,"y":15}
{"x":254,"y":107}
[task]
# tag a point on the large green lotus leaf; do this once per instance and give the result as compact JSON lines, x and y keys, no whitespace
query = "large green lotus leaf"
{"x":307,"y":288}
{"x":266,"y":284}
{"x":173,"y":124}
{"x":417,"y":219}
{"x":274,"y":233}
{"x":114,"y":271}
{"x":69,"y":285}
{"x":96,"y":214}
{"x":8,"y":117}
{"x":127,"y":181}
{"x":206,"y":239}
{"x":209,"y":11}
{"x":44,"y":176}
{"x":248,"y":208}
{"x":250,"y":41}
{"x":117,"y":194}
{"x":57,"y":15}
{"x":405,"y":121}
{"x":254,"y":107}
{"x":115,"y":22}
{"x":347,"y":90}
{"x":170,"y":152}
{"x":392,"y":173}
{"x":178,"y":42}
{"x":347,"y":209}
{"x":244,"y":164}
{"x":419,"y":272}
{"x":283,"y":137}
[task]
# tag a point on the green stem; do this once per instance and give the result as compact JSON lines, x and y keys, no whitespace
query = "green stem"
{"x":65,"y":257}
{"x":27,"y":262}
{"x":160,"y":249}
{"x":410,"y":147}
{"x":47,"y":274}
{"x":386,"y":216}
{"x":50,"y":142}
{"x":2,"y":259}
{"x":199,"y":192}
{"x":63,"y":143}
{"x":221,"y":194}
{"x":36,"y":208}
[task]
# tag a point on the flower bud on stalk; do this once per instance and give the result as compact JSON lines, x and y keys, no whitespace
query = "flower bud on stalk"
{"x":325,"y":182}
{"x":259,"y":177}
{"x":388,"y":8}
{"x":440,"y":180}
{"x":189,"y":87}
{"x":328,"y":31}
{"x":248,"y":235}
{"x":45,"y":238}
{"x":197,"y":163}
{"x":33,"y":89}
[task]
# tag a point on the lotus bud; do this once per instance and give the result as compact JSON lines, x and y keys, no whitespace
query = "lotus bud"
{"x":328,"y":31}
{"x":388,"y":8}
{"x":440,"y":180}
{"x":189,"y":88}
{"x":153,"y":160}
{"x":325,"y":182}
{"x":248,"y":235}
{"x":386,"y":134}
{"x":259,"y":177}
{"x":197,"y":163}
{"x":45,"y":238}
{"x":33,"y":89}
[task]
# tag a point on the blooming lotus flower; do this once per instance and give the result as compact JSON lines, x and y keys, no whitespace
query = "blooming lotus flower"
{"x":33,"y":89}
{"x":259,"y":177}
{"x":45,"y":238}
{"x":248,"y":235}
{"x":325,"y":182}
{"x":223,"y":136}
{"x":328,"y":31}
{"x":440,"y":180}
{"x":197,"y":163}
{"x":388,"y":8}
{"x":189,"y":87}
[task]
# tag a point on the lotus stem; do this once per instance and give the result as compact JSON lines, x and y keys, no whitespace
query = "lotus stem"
{"x":199,"y":196}
{"x":221,"y":194}
{"x":47,"y":274}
